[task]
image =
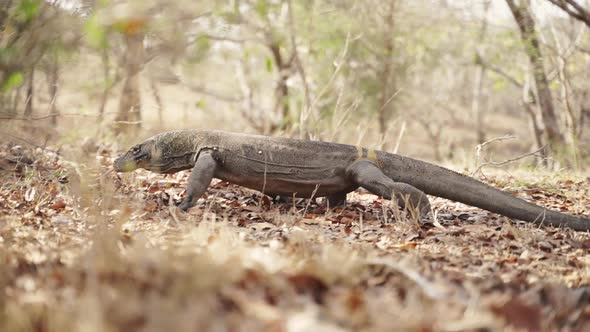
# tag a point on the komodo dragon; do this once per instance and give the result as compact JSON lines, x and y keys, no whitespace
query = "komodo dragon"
{"x":286,"y":167}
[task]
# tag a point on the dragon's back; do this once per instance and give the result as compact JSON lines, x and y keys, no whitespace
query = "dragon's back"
{"x":280,"y":150}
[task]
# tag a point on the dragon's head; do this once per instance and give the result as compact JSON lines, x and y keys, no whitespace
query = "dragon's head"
{"x":164,"y":153}
{"x":139,"y":156}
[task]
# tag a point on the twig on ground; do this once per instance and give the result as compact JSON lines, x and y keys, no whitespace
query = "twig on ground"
{"x":107,"y":172}
{"x":313,"y":193}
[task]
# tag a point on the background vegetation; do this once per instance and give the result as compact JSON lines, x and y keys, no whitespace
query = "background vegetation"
{"x":426,"y":78}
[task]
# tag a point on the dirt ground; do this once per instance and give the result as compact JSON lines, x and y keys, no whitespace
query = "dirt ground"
{"x":85,"y":249}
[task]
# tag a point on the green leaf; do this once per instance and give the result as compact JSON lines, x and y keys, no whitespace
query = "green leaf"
{"x":28,"y":9}
{"x":14,"y":80}
{"x":261,"y":7}
{"x":201,"y":48}
{"x":95,"y":32}
{"x":268,"y":64}
{"x":202,"y":43}
{"x":230,"y":17}
{"x":499,"y":84}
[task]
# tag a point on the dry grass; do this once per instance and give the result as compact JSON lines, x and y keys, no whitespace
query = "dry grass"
{"x":105,"y":253}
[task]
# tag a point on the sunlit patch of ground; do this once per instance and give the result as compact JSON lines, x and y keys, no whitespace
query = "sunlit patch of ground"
{"x":85,"y":251}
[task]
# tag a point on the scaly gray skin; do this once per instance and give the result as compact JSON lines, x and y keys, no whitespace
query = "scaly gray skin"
{"x":287,"y":167}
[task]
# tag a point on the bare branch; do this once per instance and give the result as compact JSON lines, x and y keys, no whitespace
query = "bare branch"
{"x":502,"y":163}
{"x":574,"y":9}
{"x":225,"y":38}
{"x":480,"y":147}
{"x":43,"y":117}
{"x":501,"y":72}
{"x":214,"y":94}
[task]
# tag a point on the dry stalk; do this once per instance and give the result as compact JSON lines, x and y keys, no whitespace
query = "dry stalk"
{"x":314,"y":192}
{"x":429,"y":289}
{"x":399,"y":137}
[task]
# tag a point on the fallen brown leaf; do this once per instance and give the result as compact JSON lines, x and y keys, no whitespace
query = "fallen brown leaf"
{"x":306,"y":283}
{"x":519,"y":314}
{"x":59,"y":205}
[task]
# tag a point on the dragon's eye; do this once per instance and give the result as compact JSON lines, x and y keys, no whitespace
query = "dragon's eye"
{"x":135,"y":150}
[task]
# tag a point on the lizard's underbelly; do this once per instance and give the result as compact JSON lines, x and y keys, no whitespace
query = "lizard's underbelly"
{"x":288,"y":181}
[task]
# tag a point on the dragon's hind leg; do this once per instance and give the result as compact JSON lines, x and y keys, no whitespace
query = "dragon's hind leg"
{"x":369,"y":176}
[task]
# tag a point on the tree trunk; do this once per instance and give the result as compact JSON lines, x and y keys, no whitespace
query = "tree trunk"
{"x":282,"y":89}
{"x":476,"y":104}
{"x":479,"y":79}
{"x":574,"y":9}
{"x":526,"y":25}
{"x":158,"y":100}
{"x":107,"y":84}
{"x":386,"y":85}
{"x":128,"y":119}
{"x":53,"y":89}
{"x":30,"y":94}
{"x":15,"y":102}
{"x":537,"y":131}
{"x":571,"y":118}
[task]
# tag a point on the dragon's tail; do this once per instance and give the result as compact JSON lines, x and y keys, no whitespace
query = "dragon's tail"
{"x":441,"y":182}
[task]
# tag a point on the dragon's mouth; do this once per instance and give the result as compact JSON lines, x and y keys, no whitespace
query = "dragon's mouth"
{"x":124,"y":165}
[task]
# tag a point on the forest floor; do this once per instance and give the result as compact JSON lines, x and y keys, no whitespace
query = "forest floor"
{"x":85,"y":249}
